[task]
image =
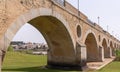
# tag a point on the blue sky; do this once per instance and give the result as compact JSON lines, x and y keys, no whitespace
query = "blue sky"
{"x":107,"y":10}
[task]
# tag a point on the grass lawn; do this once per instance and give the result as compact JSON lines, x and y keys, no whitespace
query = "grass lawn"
{"x":112,"y":67}
{"x":19,"y":62}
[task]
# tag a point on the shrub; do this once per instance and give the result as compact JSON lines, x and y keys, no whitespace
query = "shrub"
{"x":10,"y":48}
{"x":117,"y":55}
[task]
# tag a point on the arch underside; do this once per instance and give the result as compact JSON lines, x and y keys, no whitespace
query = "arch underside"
{"x":92,"y":49}
{"x":55,"y":34}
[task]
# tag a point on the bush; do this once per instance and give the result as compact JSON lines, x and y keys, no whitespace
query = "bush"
{"x":29,"y":51}
{"x":117,"y":55}
{"x":10,"y":48}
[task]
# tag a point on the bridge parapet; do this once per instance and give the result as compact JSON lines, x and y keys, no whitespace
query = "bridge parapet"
{"x":75,"y":11}
{"x":60,"y":2}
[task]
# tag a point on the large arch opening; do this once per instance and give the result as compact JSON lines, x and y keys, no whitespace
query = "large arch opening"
{"x":57,"y":37}
{"x":106,"y":49}
{"x":92,"y":49}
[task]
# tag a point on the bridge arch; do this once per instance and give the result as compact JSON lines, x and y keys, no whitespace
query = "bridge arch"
{"x":112,"y":47}
{"x":115,"y":45}
{"x":87,"y":33}
{"x":33,"y":13}
{"x":55,"y":30}
{"x":92,"y":48}
{"x":106,"y":48}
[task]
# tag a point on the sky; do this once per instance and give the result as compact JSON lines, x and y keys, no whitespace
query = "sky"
{"x":108,"y":12}
{"x":28,"y":33}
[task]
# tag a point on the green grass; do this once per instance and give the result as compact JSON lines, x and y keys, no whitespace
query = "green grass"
{"x":19,"y":62}
{"x":112,"y":67}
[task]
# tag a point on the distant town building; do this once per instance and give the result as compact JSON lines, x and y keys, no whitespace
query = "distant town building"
{"x":17,"y":43}
{"x":20,"y":45}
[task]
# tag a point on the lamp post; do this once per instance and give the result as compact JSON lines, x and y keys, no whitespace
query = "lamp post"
{"x":98,"y":20}
{"x":64,"y":2}
{"x":107,"y":28}
{"x":112,"y":32}
{"x":78,"y":9}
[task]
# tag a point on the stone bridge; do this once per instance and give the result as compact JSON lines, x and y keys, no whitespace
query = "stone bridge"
{"x":72,"y":38}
